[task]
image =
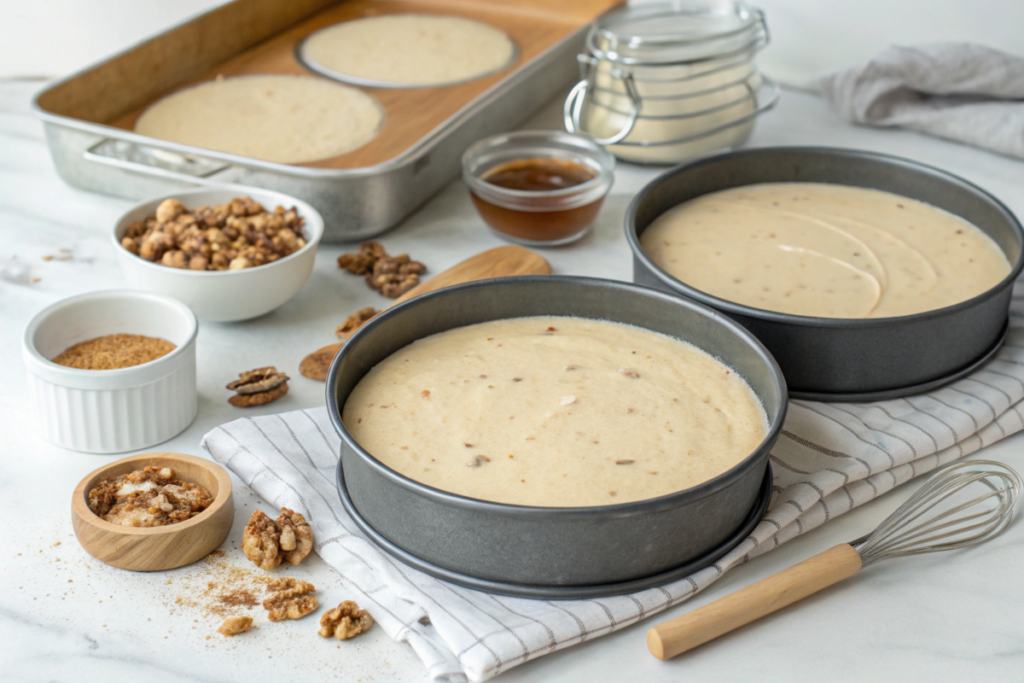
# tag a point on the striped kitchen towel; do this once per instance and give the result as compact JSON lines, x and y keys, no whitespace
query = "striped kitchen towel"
{"x":830,"y":459}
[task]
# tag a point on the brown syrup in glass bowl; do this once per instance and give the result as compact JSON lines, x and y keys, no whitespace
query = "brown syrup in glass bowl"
{"x":542,"y":175}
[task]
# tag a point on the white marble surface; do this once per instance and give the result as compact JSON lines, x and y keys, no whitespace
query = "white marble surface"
{"x":64,"y":616}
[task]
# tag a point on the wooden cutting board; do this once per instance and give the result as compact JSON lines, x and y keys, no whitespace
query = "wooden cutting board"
{"x":498,"y":262}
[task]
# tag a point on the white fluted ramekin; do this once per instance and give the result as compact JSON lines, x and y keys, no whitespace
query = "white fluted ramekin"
{"x":112,"y":411}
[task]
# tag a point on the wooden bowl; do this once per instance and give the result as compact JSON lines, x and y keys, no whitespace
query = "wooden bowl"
{"x":149,"y":549}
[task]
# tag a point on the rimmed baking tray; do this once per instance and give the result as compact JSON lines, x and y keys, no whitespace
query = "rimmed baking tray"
{"x":89,"y":117}
{"x":564,"y":592}
{"x":849,"y":359}
{"x":553,"y":548}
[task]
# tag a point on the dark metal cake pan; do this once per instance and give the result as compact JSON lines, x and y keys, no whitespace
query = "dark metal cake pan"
{"x":593,"y":590}
{"x":848,"y":359}
{"x":540,"y":546}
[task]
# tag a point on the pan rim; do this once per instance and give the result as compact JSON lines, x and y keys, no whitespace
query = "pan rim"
{"x":733,"y":308}
{"x":646,"y":506}
{"x":754,"y":517}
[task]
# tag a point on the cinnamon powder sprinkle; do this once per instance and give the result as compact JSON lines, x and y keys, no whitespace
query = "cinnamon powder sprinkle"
{"x":114,"y":351}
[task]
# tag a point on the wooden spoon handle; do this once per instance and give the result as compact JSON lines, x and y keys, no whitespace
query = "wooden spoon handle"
{"x":753,"y":602}
{"x":498,"y":262}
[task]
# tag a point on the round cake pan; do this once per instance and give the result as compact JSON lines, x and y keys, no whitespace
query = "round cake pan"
{"x":540,"y":546}
{"x":597,"y":590}
{"x":843,"y":359}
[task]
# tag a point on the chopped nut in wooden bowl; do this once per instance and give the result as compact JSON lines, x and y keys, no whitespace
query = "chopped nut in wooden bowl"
{"x":159,"y":511}
{"x":151,"y":496}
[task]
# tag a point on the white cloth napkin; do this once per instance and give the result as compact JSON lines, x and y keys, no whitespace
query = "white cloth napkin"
{"x":830,"y":459}
{"x":957,"y":91}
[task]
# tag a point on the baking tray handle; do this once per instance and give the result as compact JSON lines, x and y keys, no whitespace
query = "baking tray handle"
{"x":161,"y":163}
{"x":573,"y":110}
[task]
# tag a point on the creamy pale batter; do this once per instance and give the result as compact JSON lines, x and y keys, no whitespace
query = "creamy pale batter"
{"x":555,"y":412}
{"x":286,"y":119}
{"x":410,"y":49}
{"x":824,"y":250}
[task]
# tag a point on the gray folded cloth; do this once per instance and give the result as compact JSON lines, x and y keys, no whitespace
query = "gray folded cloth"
{"x":959,"y":91}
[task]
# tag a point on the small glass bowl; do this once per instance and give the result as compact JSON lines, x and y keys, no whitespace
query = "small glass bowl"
{"x":532,"y":217}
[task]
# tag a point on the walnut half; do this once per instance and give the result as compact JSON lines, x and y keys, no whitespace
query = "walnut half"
{"x":266,"y":541}
{"x":258,"y":387}
{"x":345,"y":621}
{"x":291,"y":599}
{"x":296,"y":538}
{"x":260,"y":541}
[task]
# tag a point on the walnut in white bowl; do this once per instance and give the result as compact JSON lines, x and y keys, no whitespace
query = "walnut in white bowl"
{"x":228,"y":254}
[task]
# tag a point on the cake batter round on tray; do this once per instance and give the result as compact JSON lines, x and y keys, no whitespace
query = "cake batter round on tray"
{"x":555,"y":412}
{"x":279,"y":118}
{"x":408,"y":50}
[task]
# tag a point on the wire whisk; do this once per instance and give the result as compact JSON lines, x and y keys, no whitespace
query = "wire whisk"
{"x":960,"y":506}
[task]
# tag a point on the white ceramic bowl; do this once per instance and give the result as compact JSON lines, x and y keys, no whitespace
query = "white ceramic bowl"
{"x":224,"y":295}
{"x":111,"y":411}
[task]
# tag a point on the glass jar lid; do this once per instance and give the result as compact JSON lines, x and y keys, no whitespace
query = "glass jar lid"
{"x":678,"y":32}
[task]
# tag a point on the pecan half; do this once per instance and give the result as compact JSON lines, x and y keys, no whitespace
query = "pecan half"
{"x":260,"y":379}
{"x":262,"y":398}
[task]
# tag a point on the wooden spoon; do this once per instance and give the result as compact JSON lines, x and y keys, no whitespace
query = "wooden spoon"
{"x":498,"y":262}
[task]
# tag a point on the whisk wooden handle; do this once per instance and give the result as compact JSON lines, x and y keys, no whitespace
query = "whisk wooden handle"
{"x":753,"y":602}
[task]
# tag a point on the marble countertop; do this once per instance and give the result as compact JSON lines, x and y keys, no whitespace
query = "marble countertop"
{"x":942,"y":617}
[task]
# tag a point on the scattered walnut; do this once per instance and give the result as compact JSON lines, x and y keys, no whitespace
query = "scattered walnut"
{"x":232,"y":626}
{"x":258,"y":387}
{"x":361,"y":262}
{"x":355,"y":321}
{"x":345,"y":621}
{"x":260,"y":541}
{"x":291,"y":599}
{"x":266,"y":541}
{"x":296,"y":536}
{"x":240,"y":234}
{"x":392,"y":276}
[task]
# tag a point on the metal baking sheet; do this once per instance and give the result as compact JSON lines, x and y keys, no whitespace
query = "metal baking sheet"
{"x":80,"y":115}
